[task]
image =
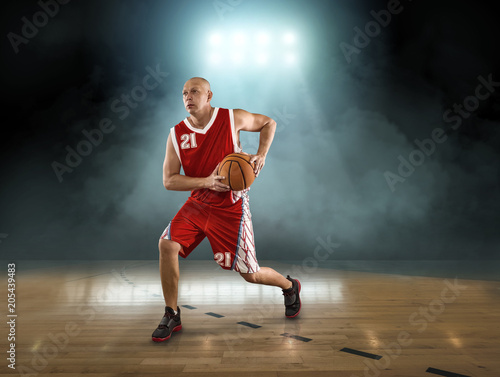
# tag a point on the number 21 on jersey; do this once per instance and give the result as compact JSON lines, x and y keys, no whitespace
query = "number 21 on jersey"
{"x":223,"y":259}
{"x":188,"y":141}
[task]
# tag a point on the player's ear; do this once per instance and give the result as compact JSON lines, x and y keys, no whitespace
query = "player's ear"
{"x":210,"y":95}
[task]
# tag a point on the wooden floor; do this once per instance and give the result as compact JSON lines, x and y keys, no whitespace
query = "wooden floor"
{"x":96,"y":319}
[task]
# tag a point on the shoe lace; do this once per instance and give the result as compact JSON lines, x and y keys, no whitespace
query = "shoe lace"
{"x":161,"y":325}
{"x":291,"y":292}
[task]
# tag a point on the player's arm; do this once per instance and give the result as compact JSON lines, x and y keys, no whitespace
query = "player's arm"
{"x":174,"y":180}
{"x":245,"y":121}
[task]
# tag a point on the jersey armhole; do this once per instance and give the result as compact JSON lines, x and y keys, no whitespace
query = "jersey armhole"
{"x":174,"y":142}
{"x":236,"y":147}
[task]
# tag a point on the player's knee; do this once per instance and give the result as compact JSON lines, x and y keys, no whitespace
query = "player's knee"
{"x":251,"y":278}
{"x":168,"y":247}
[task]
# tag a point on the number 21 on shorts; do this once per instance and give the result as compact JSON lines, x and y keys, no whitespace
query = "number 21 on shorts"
{"x":223,"y":259}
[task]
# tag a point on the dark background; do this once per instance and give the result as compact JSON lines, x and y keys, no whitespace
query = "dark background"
{"x":341,"y":126}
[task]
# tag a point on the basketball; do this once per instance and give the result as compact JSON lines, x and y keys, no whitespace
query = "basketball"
{"x":237,"y":170}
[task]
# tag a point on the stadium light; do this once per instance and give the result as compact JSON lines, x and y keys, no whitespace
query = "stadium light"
{"x":215,"y":58}
{"x":263,"y":39}
{"x":257,"y":48}
{"x":289,"y":38}
{"x":262,"y":58}
{"x":237,"y":58}
{"x":290,"y":59}
{"x":239,"y":40}
{"x":215,"y":39}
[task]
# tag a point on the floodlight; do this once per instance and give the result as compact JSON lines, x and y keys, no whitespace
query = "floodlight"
{"x":239,"y":39}
{"x":290,"y":58}
{"x":262,"y":58}
{"x":263,"y":39}
{"x":237,"y":58}
{"x":289,"y":38}
{"x":215,"y":58}
{"x":215,"y":39}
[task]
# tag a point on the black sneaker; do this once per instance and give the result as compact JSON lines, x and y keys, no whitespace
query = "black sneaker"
{"x":292,"y":299}
{"x":169,"y":323}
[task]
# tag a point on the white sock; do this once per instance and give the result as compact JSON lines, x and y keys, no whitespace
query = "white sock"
{"x":175,"y":312}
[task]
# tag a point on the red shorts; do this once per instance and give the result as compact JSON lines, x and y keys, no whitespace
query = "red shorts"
{"x":229,"y":230}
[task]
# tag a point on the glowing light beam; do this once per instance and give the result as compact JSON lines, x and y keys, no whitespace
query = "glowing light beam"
{"x":215,"y":39}
{"x":289,"y":38}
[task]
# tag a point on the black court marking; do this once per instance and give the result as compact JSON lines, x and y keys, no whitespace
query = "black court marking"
{"x":189,"y":307}
{"x":361,"y":353}
{"x":444,"y":373}
{"x":248,"y":324}
{"x":301,"y":338}
{"x":214,"y":315}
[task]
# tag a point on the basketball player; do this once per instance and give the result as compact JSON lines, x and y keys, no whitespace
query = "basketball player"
{"x":198,"y":144}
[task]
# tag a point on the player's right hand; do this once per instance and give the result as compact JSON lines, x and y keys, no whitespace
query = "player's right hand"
{"x":214,"y":182}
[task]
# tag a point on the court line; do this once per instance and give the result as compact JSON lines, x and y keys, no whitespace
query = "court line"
{"x":444,"y":373}
{"x":248,"y":324}
{"x":361,"y":353}
{"x":214,"y":315}
{"x":298,"y":337}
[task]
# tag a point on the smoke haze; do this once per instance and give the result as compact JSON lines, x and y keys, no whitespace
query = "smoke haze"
{"x":341,"y":127}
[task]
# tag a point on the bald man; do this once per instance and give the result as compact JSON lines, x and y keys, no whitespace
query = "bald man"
{"x":198,"y":144}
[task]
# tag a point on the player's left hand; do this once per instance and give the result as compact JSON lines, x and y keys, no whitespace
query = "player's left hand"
{"x":258,"y":161}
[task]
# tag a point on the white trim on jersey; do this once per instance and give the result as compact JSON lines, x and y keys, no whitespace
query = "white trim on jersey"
{"x":207,"y":127}
{"x":237,"y":148}
{"x":174,"y":142}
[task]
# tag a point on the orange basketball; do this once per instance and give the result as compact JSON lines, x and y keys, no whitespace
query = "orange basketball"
{"x":238,"y":171}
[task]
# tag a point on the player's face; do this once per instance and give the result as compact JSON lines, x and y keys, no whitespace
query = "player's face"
{"x":195,"y":96}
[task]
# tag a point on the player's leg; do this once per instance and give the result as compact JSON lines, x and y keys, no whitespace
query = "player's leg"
{"x":231,"y":236}
{"x":291,"y":287}
{"x":169,"y":271}
{"x":169,"y":274}
{"x":180,"y":237}
{"x":267,"y":276}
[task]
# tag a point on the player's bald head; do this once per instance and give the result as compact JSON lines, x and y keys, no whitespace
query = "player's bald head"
{"x":198,"y":81}
{"x":197,"y":95}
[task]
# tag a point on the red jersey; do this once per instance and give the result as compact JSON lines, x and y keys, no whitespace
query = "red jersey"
{"x":200,"y":150}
